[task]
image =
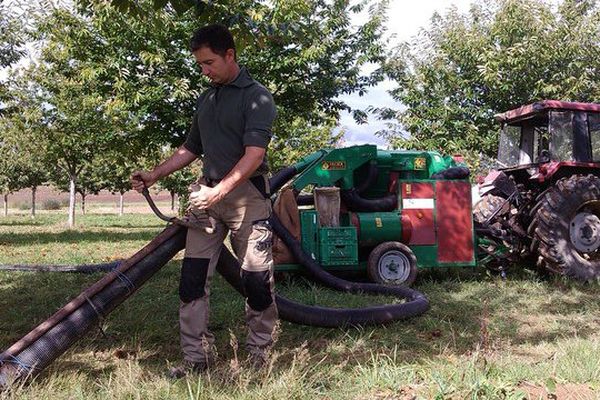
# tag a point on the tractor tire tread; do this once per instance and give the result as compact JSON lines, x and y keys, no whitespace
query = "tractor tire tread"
{"x":550,"y":226}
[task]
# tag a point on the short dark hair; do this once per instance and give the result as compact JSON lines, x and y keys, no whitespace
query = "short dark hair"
{"x":216,"y":37}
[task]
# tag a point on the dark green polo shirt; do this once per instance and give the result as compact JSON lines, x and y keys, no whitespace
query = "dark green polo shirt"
{"x":227,"y":119}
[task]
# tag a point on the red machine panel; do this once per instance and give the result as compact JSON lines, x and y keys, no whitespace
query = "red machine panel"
{"x":454,"y":222}
{"x":418,"y":205}
{"x":417,"y":190}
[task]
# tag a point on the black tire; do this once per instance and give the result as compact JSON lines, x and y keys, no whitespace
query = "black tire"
{"x":566,"y":228}
{"x":392,"y":263}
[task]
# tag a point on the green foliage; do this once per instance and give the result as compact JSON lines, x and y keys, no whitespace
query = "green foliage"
{"x":21,"y":146}
{"x":111,"y":88}
{"x":306,"y":52}
{"x":464,"y":68}
{"x":10,"y":38}
{"x":300,"y":138}
{"x":11,"y":45}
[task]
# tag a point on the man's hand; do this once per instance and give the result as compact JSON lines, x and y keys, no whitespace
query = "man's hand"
{"x":205,"y":197}
{"x":141,"y":179}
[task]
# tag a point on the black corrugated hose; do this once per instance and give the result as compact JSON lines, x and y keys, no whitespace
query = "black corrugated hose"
{"x":81,"y":268}
{"x":54,"y":341}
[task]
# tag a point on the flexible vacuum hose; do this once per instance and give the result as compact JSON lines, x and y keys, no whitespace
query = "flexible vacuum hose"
{"x":355,"y":202}
{"x":416,"y":303}
{"x":49,"y":340}
{"x":81,"y":268}
{"x":53,"y":337}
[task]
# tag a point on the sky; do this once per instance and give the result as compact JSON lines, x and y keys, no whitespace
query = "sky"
{"x":405,"y":18}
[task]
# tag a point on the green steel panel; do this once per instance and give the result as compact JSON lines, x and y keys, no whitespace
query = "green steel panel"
{"x":341,"y":234}
{"x":426,"y":256}
{"x":337,"y":166}
{"x":338,"y":254}
{"x":379,"y":227}
{"x":338,"y":246}
{"x":309,"y":233}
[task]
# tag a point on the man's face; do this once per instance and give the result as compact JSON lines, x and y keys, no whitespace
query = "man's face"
{"x":214,"y":66}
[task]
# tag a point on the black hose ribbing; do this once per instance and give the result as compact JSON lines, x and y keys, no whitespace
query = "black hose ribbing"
{"x":305,"y":200}
{"x":35,"y":357}
{"x":372,"y":174}
{"x":355,"y":202}
{"x":81,"y":268}
{"x":452,"y":173}
{"x":416,"y":302}
{"x":281,"y":177}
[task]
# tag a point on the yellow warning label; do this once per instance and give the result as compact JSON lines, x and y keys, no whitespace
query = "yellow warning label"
{"x":420,"y":163}
{"x":333,"y":165}
{"x":378,"y":222}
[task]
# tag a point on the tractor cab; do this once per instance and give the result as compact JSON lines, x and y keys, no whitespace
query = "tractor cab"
{"x":549,"y":131}
{"x":543,"y":203}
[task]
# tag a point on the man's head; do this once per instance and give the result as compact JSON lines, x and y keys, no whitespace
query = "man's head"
{"x":214,"y":50}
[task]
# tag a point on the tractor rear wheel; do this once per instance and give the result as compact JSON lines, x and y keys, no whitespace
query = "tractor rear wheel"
{"x":392,"y":263}
{"x":566,"y":228}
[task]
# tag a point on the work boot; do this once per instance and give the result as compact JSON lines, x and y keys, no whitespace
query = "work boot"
{"x":188,"y":368}
{"x":258,"y":359}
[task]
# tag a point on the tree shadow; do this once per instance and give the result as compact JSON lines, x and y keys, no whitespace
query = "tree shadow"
{"x":74,"y":237}
{"x":23,"y":222}
{"x":468,"y":312}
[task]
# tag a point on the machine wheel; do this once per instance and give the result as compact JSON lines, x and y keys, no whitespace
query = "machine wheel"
{"x":566,"y":228}
{"x":392,"y":263}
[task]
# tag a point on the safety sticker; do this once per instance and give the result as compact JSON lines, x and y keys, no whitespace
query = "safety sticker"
{"x":333,"y":165}
{"x":415,"y":204}
{"x":420,"y":163}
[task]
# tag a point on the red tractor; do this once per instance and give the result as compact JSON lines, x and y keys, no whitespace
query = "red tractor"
{"x":543,"y":203}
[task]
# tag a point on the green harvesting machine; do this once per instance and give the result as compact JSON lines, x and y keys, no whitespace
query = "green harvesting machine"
{"x":390,"y":213}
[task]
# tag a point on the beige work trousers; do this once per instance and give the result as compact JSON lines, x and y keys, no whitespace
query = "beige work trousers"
{"x":243,"y":213}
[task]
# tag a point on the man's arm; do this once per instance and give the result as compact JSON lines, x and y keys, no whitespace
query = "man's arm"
{"x":179,"y":159}
{"x":250,"y":161}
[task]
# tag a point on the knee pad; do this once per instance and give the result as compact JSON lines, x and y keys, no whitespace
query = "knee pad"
{"x":193,"y":278}
{"x":258,"y":289}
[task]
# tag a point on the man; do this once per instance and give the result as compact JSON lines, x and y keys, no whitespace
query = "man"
{"x":231,"y":130}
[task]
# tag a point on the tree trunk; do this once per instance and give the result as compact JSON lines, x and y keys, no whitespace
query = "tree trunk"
{"x":121,"y":203}
{"x":83,"y":204}
{"x":72,"y":179}
{"x":33,"y":190}
{"x":6,"y":204}
{"x":172,"y":200}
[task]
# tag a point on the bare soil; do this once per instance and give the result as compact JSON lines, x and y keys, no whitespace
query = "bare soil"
{"x":567,"y":391}
{"x":104,"y":202}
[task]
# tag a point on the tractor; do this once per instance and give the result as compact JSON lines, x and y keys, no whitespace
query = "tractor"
{"x":542,"y":204}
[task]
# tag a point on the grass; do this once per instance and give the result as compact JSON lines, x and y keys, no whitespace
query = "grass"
{"x":483,"y":338}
